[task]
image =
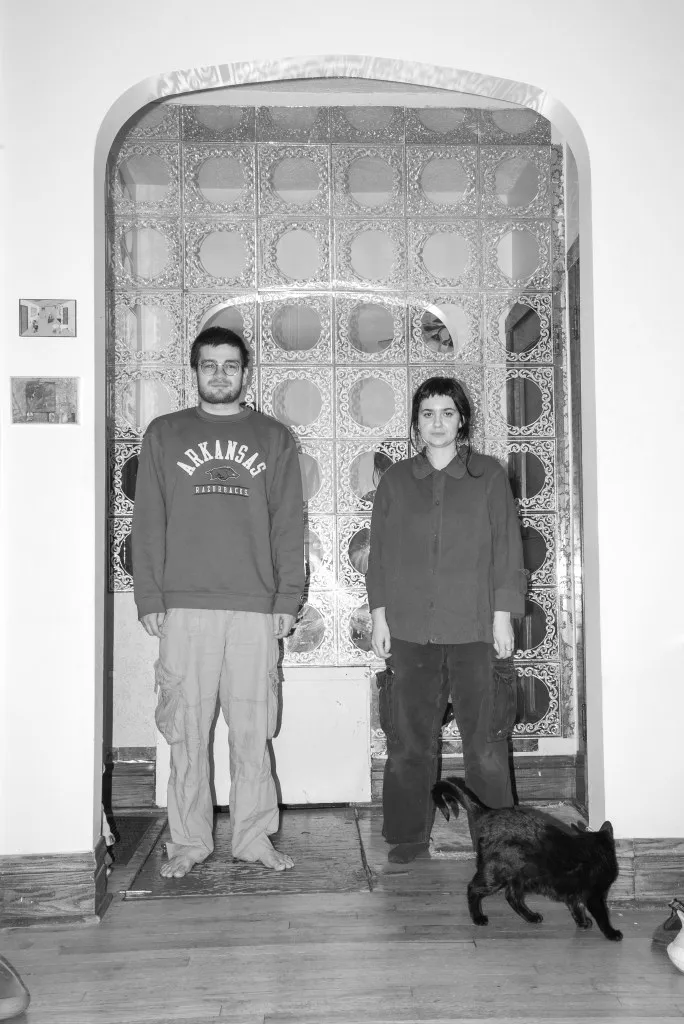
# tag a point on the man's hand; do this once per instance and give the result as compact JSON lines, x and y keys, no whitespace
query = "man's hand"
{"x":503,"y":635}
{"x":282,"y":625}
{"x":380,"y":637}
{"x":153,"y":622}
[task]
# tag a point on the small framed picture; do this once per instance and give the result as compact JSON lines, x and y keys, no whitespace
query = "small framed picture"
{"x":47,"y":318}
{"x":44,"y":399}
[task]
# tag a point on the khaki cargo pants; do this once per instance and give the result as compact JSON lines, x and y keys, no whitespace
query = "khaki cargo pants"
{"x":233,"y":655}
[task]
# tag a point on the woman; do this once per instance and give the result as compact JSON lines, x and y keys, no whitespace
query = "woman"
{"x":445,"y":575}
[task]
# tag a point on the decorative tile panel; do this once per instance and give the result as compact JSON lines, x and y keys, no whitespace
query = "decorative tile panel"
{"x":142,"y":393}
{"x":509,"y":395}
{"x":443,"y":254}
{"x":531,"y":468}
{"x":353,"y":546}
{"x":423,"y":163}
{"x":231,"y":166}
{"x":120,"y":556}
{"x":498,"y":308}
{"x":320,"y":550}
{"x":545,"y":527}
{"x":441,"y":126}
{"x":548,"y":675}
{"x":279,"y":317}
{"x":214,"y":124}
{"x":370,"y":254}
{"x":359,"y":466}
{"x":510,"y":172}
{"x":354,"y":628}
{"x":370,"y":402}
{"x":293,"y":124}
{"x":123,"y":469}
{"x":144,"y":252}
{"x":302,"y":401}
{"x":369,"y":329}
{"x":458,"y":337}
{"x":156,"y":121}
{"x":516,"y":126}
{"x":314,"y":639}
{"x":316,"y":459}
{"x":537,"y":632}
{"x":311,"y":236}
{"x":232,"y":247}
{"x":517,"y":254}
{"x":146,"y":179}
{"x":148,"y":327}
{"x":352,"y":161}
{"x":205,"y":309}
{"x":276,"y":162}
{"x":367,"y":124}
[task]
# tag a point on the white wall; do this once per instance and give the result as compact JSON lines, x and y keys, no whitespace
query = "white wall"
{"x":616,"y":67}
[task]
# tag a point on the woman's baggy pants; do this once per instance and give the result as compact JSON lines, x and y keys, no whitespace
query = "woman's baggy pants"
{"x":412,"y":703}
{"x":233,"y":655}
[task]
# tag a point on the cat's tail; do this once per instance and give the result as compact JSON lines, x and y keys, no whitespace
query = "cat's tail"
{"x":450,"y":792}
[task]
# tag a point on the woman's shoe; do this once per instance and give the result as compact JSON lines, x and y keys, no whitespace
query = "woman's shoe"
{"x":404,"y":853}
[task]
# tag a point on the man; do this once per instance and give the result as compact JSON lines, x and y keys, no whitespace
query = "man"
{"x":218,"y":567}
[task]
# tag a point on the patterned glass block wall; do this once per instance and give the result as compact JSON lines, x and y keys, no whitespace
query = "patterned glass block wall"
{"x":358,"y":251}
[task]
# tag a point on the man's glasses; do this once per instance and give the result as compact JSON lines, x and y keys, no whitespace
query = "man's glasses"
{"x":209,"y":367}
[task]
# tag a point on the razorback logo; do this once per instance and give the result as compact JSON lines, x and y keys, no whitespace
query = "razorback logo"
{"x":222,"y":473}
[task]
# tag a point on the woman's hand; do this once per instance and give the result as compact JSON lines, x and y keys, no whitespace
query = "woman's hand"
{"x":504,"y":641}
{"x":380,"y":637}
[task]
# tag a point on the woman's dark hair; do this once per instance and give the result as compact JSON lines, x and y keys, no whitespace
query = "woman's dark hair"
{"x":446,"y":387}
{"x":218,"y":336}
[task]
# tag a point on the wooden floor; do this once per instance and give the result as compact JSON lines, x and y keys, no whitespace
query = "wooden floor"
{"x":403,"y":951}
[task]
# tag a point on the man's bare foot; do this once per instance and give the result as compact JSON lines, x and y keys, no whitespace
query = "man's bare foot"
{"x":182,"y":859}
{"x":265,"y":853}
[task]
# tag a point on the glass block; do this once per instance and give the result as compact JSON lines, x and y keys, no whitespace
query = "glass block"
{"x":368,"y":181}
{"x":517,"y":254}
{"x":519,"y":401}
{"x":359,"y":467}
{"x":319,"y":552}
{"x":207,"y":309}
{"x":371,"y":329}
{"x":219,"y":180}
{"x":540,"y":689}
{"x":120,"y":554}
{"x":518,"y":126}
{"x":470,"y":377}
{"x":445,"y":126}
{"x":370,"y":254}
{"x":316,"y":462}
{"x":292,"y":124}
{"x":148,"y":327}
{"x":518,"y":328}
{"x":146,"y":179}
{"x":539,"y":534}
{"x":313,"y":641}
{"x":442,"y":182}
{"x":515,"y":181}
{"x":367,"y":124}
{"x":219,"y":254}
{"x":294,"y":181}
{"x":141,"y":393}
{"x":536,"y":633}
{"x":123,"y":471}
{"x":531,"y":468}
{"x":295,"y":253}
{"x":301,"y":402}
{"x":159,"y":120}
{"x":353,"y":547}
{"x":370,"y":402}
{"x":296,"y":328}
{"x":445,"y":329}
{"x":145,"y":253}
{"x":218,"y":124}
{"x":443,"y":254}
{"x":354,"y":628}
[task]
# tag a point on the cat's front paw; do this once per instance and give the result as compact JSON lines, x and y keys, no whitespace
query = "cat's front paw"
{"x":586,"y":923}
{"x":480,"y":919}
{"x":535,"y":918}
{"x":614,"y":935}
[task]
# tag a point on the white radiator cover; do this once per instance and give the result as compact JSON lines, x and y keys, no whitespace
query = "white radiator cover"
{"x":322,"y":750}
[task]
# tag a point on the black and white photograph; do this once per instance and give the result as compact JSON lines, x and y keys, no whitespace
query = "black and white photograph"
{"x":47,"y":318}
{"x":44,"y":400}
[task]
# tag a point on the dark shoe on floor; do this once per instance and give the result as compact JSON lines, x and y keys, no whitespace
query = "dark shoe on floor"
{"x":404,"y":853}
{"x":14,"y":996}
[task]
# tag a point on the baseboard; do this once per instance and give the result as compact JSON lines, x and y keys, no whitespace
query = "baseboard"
{"x":54,"y":888}
{"x":129,"y":786}
{"x":651,"y":870}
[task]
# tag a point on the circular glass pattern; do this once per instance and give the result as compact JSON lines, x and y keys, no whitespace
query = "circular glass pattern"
{"x":514,"y":122}
{"x":153,"y":118}
{"x":372,"y":255}
{"x":144,"y":252}
{"x":218,"y":119}
{"x":371,"y":402}
{"x":531,"y":630}
{"x":519,"y":328}
{"x":371,"y":328}
{"x":365,"y":471}
{"x":312,"y":477}
{"x":143,"y":399}
{"x":517,"y":254}
{"x":314,"y":551}
{"x":147,"y":328}
{"x":297,"y":255}
{"x":526,"y":474}
{"x":144,"y":178}
{"x":441,"y":119}
{"x":229,"y":317}
{"x":358,"y":550}
{"x":534,"y":548}
{"x":297,"y":403}
{"x":309,"y":631}
{"x":126,"y":554}
{"x":444,"y":181}
{"x":446,"y":255}
{"x":223,"y":254}
{"x":295,"y":327}
{"x":129,"y":474}
{"x":516,"y":181}
{"x":445,"y":329}
{"x":221,"y":180}
{"x":536,"y":699}
{"x":295,"y":180}
{"x":523,"y":402}
{"x":369,"y":119}
{"x":361,"y":628}
{"x":370,"y":180}
{"x":293,"y":119}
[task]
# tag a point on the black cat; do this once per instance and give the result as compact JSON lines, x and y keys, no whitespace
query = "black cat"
{"x":523,"y":850}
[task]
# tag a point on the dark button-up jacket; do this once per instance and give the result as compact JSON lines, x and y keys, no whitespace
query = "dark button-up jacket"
{"x":445,"y":550}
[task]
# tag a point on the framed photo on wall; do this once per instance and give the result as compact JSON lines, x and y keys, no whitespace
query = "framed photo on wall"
{"x":44,"y":399}
{"x":47,"y":318}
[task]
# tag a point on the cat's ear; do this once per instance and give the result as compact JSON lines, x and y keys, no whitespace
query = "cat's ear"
{"x":607,"y":827}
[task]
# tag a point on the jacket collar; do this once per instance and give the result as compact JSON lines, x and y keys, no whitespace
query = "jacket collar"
{"x":422,"y":467}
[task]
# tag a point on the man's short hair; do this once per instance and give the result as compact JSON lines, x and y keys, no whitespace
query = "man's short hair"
{"x":215,"y":336}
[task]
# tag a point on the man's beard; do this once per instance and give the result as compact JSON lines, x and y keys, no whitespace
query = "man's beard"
{"x":224,"y":394}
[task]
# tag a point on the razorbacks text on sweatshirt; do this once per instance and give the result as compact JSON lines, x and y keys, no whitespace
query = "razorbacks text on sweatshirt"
{"x":218,"y":516}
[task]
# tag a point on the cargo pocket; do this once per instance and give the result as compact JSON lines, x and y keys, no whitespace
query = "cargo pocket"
{"x":384,"y":683}
{"x":504,"y":699}
{"x":168,"y":714}
{"x":273,"y":703}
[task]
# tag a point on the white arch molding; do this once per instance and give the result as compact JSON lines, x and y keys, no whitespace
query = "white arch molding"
{"x":381,"y":69}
